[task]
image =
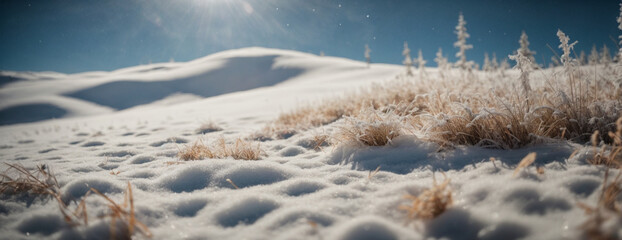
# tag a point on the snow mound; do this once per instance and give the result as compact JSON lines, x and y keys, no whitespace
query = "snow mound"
{"x":30,"y":97}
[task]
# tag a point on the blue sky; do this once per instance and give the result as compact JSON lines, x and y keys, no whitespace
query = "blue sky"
{"x":88,"y":35}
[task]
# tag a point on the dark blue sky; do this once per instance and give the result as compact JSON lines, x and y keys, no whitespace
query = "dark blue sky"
{"x":86,"y":35}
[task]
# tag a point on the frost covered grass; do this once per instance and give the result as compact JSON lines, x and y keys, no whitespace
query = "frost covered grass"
{"x":607,"y":212}
{"x":483,"y":109}
{"x":240,"y":149}
{"x":40,"y":182}
{"x":370,"y":129}
{"x":608,"y":154}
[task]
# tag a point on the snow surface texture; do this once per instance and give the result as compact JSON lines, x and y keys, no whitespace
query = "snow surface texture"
{"x":295,"y":191}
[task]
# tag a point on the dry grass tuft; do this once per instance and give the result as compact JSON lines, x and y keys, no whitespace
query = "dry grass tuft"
{"x":609,"y":154}
{"x":568,"y":104}
{"x":208,"y":127}
{"x":37,"y":182}
{"x":319,"y":140}
{"x":527,"y":160}
{"x":41,"y":182}
{"x":370,"y":129}
{"x":240,"y":149}
{"x":607,"y":209}
{"x":431,"y":203}
{"x":124,"y":214}
{"x":196,"y":151}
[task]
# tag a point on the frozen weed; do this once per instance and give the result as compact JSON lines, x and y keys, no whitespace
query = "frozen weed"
{"x":598,"y":224}
{"x":240,"y":149}
{"x":431,"y":203}
{"x":370,"y":128}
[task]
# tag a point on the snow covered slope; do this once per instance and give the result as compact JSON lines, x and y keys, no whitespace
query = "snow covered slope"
{"x":295,"y":191}
{"x":28,"y":97}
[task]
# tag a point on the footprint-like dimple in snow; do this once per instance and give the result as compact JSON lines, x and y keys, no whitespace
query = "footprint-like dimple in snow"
{"x":187,"y":179}
{"x":142,"y":159}
{"x":117,"y":154}
{"x":25,"y":141}
{"x":291,"y":151}
{"x":283,"y":218}
{"x":303,"y":187}
{"x":82,"y":134}
{"x":247,"y":211}
{"x":78,"y":188}
{"x":189,"y":208}
{"x":454,"y":224}
{"x":127,"y":134}
{"x":583,"y":185}
{"x":142,"y":174}
{"x":251,"y":174}
{"x":47,"y":150}
{"x":529,"y":201}
{"x":524,"y":194}
{"x":108,"y":166}
{"x":93,"y":144}
{"x":76,"y":142}
{"x":170,"y":140}
{"x":503,"y":230}
{"x":546,"y":205}
{"x":366,"y":228}
{"x":43,"y":224}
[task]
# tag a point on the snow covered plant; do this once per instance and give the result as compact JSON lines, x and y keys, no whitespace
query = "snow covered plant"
{"x":525,"y":65}
{"x":407,"y":60}
{"x":524,"y":49}
{"x":441,"y":61}
{"x":421,"y":64}
{"x":370,"y":128}
{"x":461,"y":44}
{"x":367,"y":56}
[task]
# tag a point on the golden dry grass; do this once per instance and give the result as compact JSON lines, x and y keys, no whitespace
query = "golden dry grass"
{"x":319,"y":140}
{"x":607,"y":209}
{"x":123,"y":214}
{"x":208,"y":127}
{"x":483,"y":109}
{"x":196,"y":151}
{"x":370,"y":129}
{"x":240,"y":149}
{"x":431,"y":203}
{"x":41,"y":182}
{"x":525,"y":162}
{"x":608,"y":154}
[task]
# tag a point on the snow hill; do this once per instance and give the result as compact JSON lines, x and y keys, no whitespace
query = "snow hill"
{"x":105,"y":129}
{"x":31,"y":96}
